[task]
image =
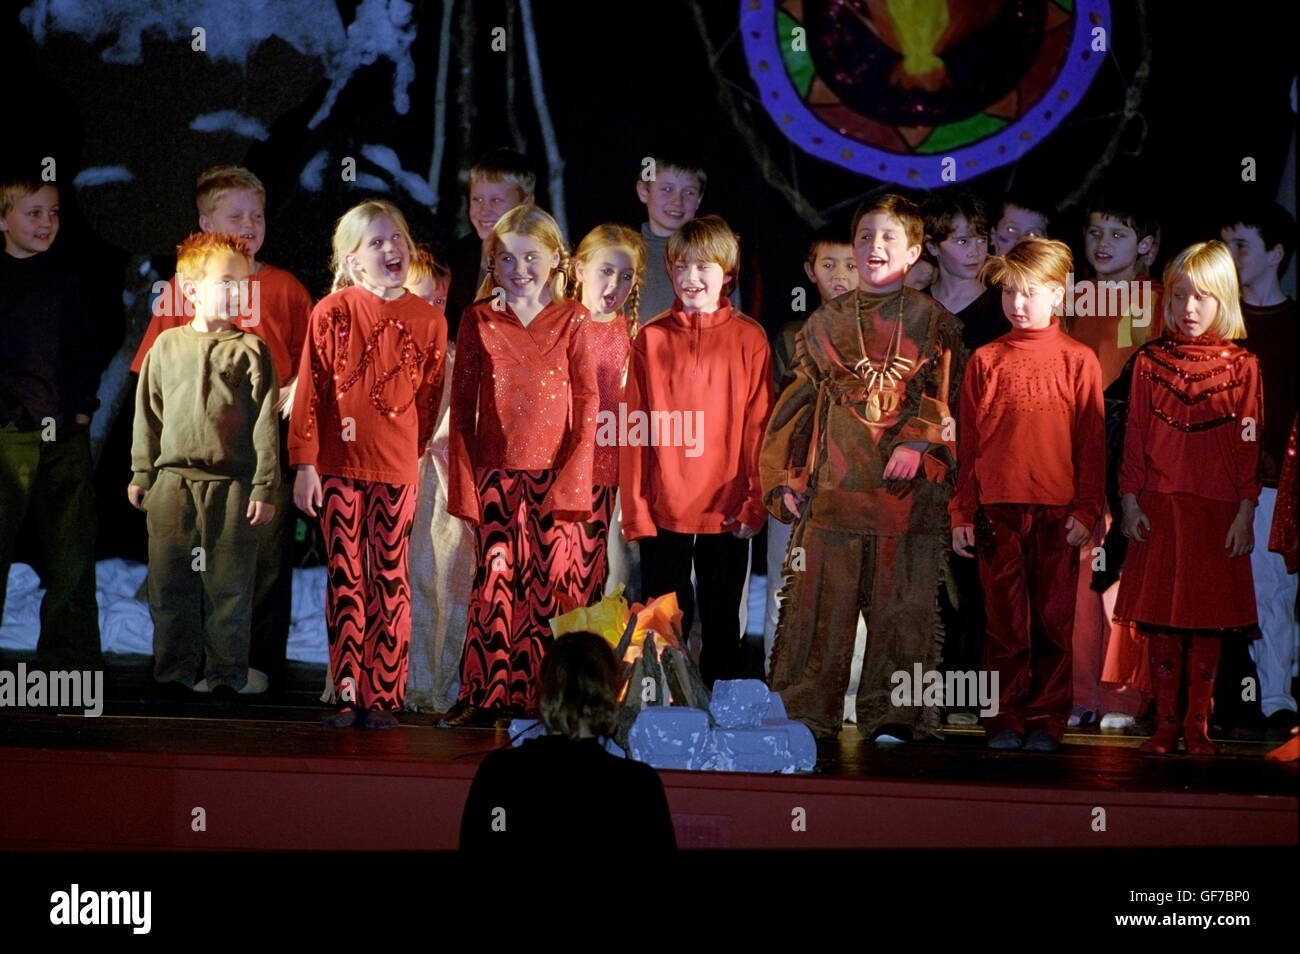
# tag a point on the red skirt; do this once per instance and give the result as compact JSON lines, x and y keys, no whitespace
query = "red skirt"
{"x":1182,"y":576}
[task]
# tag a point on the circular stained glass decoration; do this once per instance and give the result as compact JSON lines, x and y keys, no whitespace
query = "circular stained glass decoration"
{"x":922,"y":92}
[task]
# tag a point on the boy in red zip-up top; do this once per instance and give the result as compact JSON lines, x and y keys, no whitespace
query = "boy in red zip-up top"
{"x":699,"y":392}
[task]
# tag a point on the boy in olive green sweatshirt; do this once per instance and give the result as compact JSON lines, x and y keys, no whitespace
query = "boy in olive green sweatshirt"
{"x":205,"y":459}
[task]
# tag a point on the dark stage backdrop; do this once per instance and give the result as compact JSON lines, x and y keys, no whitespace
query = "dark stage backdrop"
{"x":118,"y":94}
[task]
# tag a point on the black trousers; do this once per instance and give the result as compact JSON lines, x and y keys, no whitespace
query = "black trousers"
{"x":721,"y":563}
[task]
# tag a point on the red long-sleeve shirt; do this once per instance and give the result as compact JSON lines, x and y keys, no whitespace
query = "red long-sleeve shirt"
{"x":371,"y":380}
{"x":1031,"y":427}
{"x":699,"y":393}
{"x":283,"y":307}
{"x":1188,"y":429}
{"x":609,"y":342}
{"x":523,"y":398}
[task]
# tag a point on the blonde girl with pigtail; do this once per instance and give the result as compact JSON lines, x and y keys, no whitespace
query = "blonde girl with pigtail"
{"x":370,"y":383}
{"x":523,"y":423}
{"x":608,"y":269}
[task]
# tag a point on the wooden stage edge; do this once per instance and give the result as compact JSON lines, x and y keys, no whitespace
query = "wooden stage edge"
{"x":286,"y":784}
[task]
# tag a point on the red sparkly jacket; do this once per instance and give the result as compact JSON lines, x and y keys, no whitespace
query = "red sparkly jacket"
{"x":523,"y":398}
{"x":1194,"y":422}
{"x":370,"y":382}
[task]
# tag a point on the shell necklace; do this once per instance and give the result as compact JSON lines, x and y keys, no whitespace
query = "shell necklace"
{"x":891,"y":371}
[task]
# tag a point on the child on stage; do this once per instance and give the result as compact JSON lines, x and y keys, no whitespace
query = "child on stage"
{"x":1030,"y":489}
{"x":206,"y":460}
{"x":1189,"y":486}
{"x":857,"y":455}
{"x":371,"y":376}
{"x":701,"y":376}
{"x":608,"y":267}
{"x":523,"y":425}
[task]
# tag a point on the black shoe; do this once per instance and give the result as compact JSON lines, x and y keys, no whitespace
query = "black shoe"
{"x":465,"y":715}
{"x":1007,"y":740}
{"x":1040,"y":740}
{"x":379,"y":719}
{"x":345,"y":718}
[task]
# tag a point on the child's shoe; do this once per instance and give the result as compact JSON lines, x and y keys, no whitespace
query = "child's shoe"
{"x":1117,"y":720}
{"x":380,"y":719}
{"x":1040,"y":740}
{"x":1007,"y":740}
{"x":343,"y":719}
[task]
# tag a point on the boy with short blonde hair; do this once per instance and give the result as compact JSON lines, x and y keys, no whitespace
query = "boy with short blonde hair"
{"x":857,"y":456}
{"x":497,"y":182}
{"x":1032,"y":397}
{"x":699,"y":383}
{"x":205,"y":458}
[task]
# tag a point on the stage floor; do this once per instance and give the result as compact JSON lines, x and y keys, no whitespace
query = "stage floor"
{"x":268,"y":777}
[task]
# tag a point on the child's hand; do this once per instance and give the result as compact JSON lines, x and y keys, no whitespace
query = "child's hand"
{"x":1241,"y":536}
{"x":740,"y":531}
{"x":284,"y":403}
{"x":307,"y":492}
{"x":963,"y":538}
{"x":1076,"y":534}
{"x":903,"y":463}
{"x":135,"y":494}
{"x":1135,"y":522}
{"x":792,"y":501}
{"x":260,"y":512}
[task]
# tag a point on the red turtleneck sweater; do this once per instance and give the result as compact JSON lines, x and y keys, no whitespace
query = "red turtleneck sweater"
{"x":702,"y":384}
{"x":1187,"y":426}
{"x":1031,"y":428}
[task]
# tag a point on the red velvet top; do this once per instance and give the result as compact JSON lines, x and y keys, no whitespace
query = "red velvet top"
{"x":1194,"y":420}
{"x":371,"y":380}
{"x":282,"y":310}
{"x":699,"y":393}
{"x":1031,"y":427}
{"x":523,"y":398}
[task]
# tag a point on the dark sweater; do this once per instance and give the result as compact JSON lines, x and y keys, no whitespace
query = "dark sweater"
{"x":49,"y":366}
{"x":1271,"y":336}
{"x":555,"y":794}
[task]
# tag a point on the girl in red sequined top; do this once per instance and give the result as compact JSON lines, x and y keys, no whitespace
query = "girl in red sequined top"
{"x":523,"y":422}
{"x":1189,"y":488}
{"x":372,"y":372}
{"x":608,"y":266}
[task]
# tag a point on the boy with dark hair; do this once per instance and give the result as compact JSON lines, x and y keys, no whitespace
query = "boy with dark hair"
{"x":1034,"y":397}
{"x":700,"y":377}
{"x":205,"y":458}
{"x":1020,"y":216}
{"x":1113,"y":313}
{"x":48,"y":384}
{"x":833,"y":269}
{"x":497,"y":182}
{"x":232,"y":200}
{"x":857,"y":456}
{"x":956,"y":237}
{"x":1261,"y":238}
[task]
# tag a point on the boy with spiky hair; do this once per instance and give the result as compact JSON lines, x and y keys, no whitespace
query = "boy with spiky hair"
{"x":1032,"y":397}
{"x":48,"y":383}
{"x":205,"y":458}
{"x":497,"y":182}
{"x":1261,"y":238}
{"x":857,"y":455}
